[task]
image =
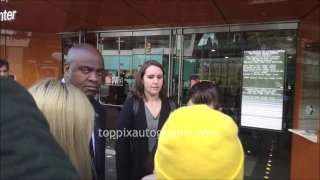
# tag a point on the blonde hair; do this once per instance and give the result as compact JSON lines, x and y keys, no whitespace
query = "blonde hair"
{"x":71,"y":119}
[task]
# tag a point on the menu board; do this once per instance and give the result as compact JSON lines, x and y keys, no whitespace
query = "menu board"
{"x":262,"y":89}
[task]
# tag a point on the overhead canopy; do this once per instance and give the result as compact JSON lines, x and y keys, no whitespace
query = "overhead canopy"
{"x":91,"y":15}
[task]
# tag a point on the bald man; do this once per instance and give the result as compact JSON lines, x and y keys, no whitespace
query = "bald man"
{"x":84,"y":68}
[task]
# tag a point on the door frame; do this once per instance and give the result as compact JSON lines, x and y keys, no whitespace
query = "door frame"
{"x":144,"y":33}
{"x":181,"y":31}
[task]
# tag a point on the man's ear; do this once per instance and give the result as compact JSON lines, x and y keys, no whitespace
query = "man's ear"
{"x":66,"y":68}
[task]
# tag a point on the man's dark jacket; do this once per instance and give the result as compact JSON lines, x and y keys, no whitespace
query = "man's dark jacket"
{"x":28,"y":149}
{"x":100,"y":141}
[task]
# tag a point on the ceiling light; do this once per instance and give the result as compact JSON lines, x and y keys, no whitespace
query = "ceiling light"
{"x":226,"y":57}
{"x":213,"y":50}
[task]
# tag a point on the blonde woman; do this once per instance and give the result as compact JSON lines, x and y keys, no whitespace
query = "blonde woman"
{"x":71,"y":119}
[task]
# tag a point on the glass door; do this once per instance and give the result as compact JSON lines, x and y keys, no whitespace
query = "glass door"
{"x":153,"y":45}
{"x":206,"y":56}
{"x":124,"y":53}
{"x":176,"y":68}
{"x":69,"y":40}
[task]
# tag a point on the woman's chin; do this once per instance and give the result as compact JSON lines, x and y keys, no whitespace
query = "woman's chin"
{"x":153,"y":92}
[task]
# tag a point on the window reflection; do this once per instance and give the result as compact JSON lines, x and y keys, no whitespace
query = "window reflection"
{"x":32,"y":55}
{"x":218,"y":57}
{"x":122,"y":65}
{"x":67,"y":43}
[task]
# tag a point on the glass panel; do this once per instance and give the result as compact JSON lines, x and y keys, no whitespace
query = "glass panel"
{"x":108,"y":95}
{"x":128,"y":61}
{"x":68,"y":42}
{"x":112,"y":62}
{"x":32,"y":56}
{"x":268,"y":40}
{"x":304,"y":121}
{"x":206,"y":56}
{"x":159,"y":51}
{"x":109,"y":43}
{"x":263,"y":144}
{"x":125,"y":55}
{"x":90,"y":38}
{"x":309,"y":120}
{"x":176,"y":48}
{"x":218,"y":57}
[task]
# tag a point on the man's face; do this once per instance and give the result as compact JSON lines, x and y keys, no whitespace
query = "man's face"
{"x":4,"y":71}
{"x":86,"y":72}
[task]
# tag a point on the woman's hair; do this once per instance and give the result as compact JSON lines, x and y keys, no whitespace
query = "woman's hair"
{"x":71,"y":119}
{"x":138,"y":89}
{"x":205,"y":92}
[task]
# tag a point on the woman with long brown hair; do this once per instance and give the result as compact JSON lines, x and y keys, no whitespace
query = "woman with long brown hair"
{"x":143,"y":115}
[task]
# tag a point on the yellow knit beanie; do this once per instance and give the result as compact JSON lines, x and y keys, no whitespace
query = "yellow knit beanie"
{"x":197,"y":142}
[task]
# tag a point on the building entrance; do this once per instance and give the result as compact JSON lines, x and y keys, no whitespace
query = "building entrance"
{"x":190,"y":55}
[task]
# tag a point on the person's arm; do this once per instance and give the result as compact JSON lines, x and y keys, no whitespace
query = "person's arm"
{"x":175,"y":105}
{"x":103,"y":120}
{"x":122,"y":146}
{"x":28,"y":149}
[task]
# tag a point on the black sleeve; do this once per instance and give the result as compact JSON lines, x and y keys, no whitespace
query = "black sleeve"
{"x":172,"y":100}
{"x":102,"y":122}
{"x":101,"y":142}
{"x":122,"y":146}
{"x":28,"y":149}
{"x":102,"y":118}
{"x":175,"y":104}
